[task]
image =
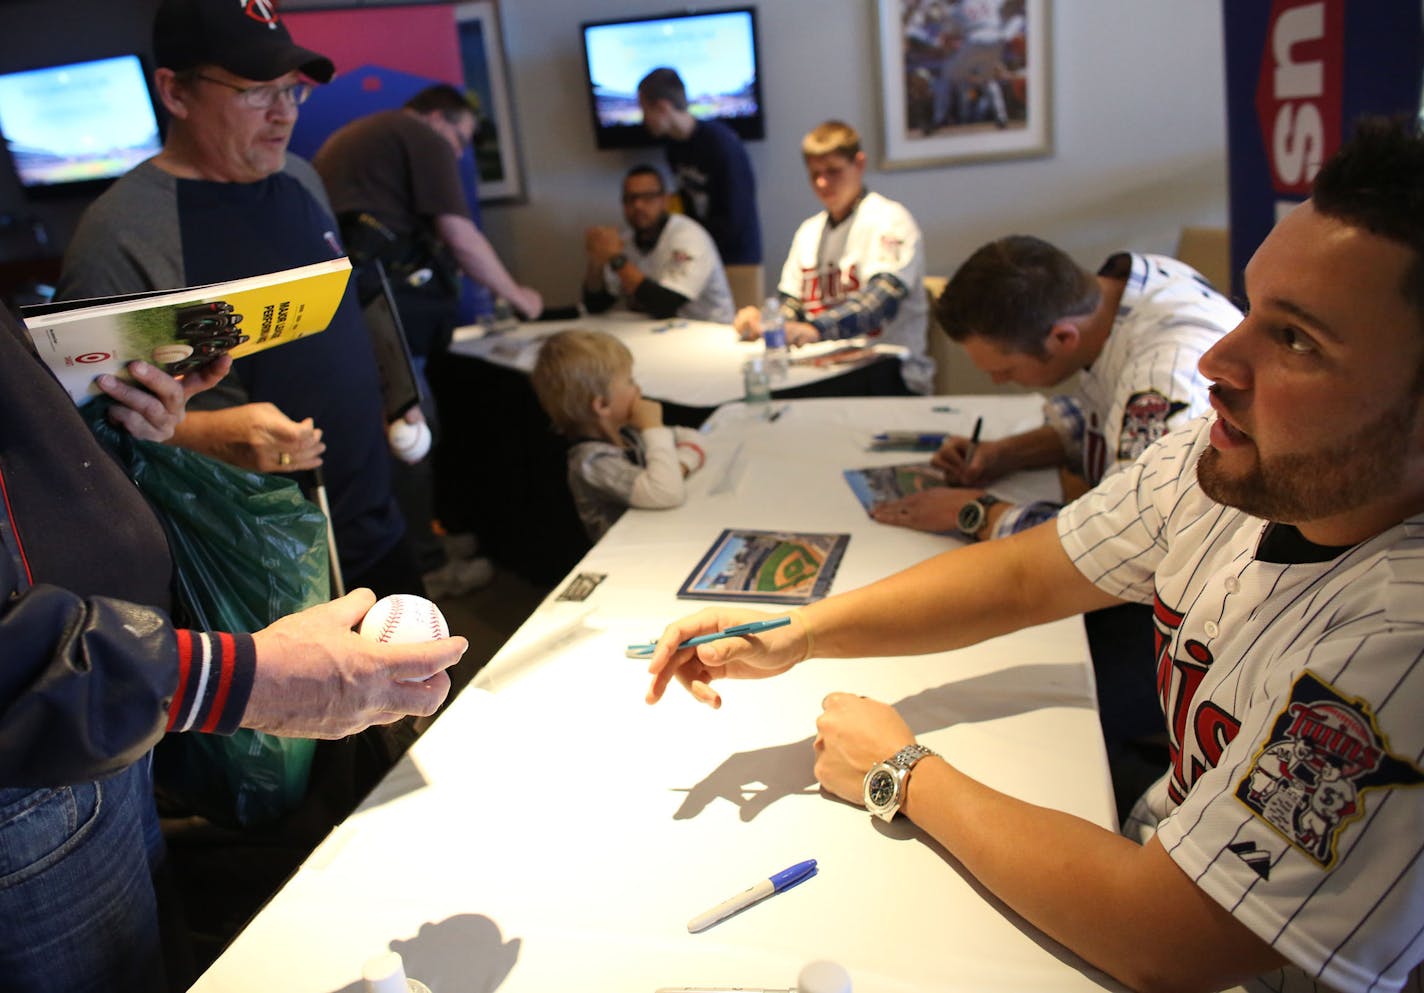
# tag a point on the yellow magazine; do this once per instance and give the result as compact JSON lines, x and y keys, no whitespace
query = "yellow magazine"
{"x":183,"y":330}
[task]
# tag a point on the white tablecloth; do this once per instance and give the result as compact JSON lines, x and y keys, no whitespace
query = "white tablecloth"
{"x":552,"y":832}
{"x":694,"y":363}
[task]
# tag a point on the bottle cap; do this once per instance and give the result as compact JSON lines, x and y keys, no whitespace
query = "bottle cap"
{"x":385,"y":973}
{"x":823,"y":977}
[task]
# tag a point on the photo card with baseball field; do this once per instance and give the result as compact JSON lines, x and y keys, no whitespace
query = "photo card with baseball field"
{"x":881,"y":483}
{"x":787,"y":567}
{"x":183,"y":330}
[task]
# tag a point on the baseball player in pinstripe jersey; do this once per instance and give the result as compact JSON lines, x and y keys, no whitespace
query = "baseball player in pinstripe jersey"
{"x":1026,"y":313}
{"x":1280,"y":541}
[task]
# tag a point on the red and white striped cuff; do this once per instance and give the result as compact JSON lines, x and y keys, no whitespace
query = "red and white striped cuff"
{"x":215,"y":673}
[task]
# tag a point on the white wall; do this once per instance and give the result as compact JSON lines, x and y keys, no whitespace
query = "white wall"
{"x":1139,"y":127}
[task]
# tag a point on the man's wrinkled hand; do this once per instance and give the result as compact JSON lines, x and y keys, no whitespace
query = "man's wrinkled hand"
{"x":317,"y":678}
{"x":153,"y":409}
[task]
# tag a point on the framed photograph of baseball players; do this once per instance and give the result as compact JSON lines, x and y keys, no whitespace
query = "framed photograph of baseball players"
{"x":482,"y":55}
{"x":964,"y":80}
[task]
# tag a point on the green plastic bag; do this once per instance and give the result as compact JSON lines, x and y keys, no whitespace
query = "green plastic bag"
{"x":248,"y":548}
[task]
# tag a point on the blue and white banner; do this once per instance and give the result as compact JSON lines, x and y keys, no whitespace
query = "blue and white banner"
{"x":1298,"y":73}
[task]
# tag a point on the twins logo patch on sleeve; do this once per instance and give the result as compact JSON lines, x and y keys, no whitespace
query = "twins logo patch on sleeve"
{"x":1144,"y":420}
{"x":1309,"y":779}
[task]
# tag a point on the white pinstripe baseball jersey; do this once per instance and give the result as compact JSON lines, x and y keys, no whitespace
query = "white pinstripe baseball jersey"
{"x":1145,"y":382}
{"x":1293,"y":694}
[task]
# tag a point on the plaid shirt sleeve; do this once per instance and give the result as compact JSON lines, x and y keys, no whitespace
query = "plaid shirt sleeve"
{"x":1065,"y":417}
{"x":1021,"y":517}
{"x":860,"y":313}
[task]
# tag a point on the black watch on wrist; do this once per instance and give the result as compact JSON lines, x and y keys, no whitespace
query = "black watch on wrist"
{"x":618,"y":262}
{"x":974,"y":514}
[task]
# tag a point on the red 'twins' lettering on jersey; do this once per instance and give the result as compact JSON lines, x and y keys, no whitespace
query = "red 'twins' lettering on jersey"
{"x":1196,"y":738}
{"x":823,"y":287}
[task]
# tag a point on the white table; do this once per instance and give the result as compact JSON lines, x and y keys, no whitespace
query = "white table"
{"x":693,"y":363}
{"x":552,"y":832}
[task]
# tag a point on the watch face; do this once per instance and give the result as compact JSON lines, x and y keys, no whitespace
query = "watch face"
{"x":971,"y":517}
{"x":881,"y":788}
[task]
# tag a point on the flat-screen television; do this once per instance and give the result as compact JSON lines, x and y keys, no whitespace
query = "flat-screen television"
{"x":715,"y":53}
{"x":85,"y":122}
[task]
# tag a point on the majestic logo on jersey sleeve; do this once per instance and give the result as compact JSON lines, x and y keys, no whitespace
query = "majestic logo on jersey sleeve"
{"x":1323,"y":752}
{"x":1144,"y":420}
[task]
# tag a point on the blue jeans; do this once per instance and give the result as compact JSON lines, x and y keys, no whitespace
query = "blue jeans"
{"x":77,"y":906}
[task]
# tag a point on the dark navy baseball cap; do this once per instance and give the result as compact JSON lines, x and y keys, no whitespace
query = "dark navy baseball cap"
{"x":245,"y":37}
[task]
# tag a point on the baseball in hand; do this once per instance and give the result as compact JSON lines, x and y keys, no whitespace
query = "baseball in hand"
{"x":410,"y":442}
{"x":404,"y":617}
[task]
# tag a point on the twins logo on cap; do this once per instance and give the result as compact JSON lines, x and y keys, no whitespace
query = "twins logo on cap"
{"x":264,"y":11}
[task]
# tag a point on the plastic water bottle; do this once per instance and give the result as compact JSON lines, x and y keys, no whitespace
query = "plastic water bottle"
{"x":773,"y":333}
{"x":758,"y":388}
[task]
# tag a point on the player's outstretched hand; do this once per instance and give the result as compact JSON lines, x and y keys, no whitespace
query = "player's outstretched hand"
{"x":317,"y":678}
{"x":755,"y":656}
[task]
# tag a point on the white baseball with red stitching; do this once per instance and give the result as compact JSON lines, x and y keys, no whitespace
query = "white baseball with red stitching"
{"x":402,"y":618}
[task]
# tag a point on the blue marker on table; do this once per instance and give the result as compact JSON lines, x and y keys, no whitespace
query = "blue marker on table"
{"x":735,"y":631}
{"x":915,"y":441}
{"x":783,"y":880}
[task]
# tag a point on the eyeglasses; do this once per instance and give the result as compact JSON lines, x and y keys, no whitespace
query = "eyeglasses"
{"x":264,"y":96}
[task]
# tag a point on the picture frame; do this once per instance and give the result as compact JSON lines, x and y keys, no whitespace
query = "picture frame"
{"x":935,"y":56}
{"x":497,"y":159}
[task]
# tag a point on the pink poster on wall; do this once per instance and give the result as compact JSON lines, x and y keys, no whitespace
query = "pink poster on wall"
{"x":420,"y":39}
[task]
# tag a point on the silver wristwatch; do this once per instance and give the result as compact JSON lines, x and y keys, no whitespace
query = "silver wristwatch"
{"x":886,"y":781}
{"x":974,"y":513}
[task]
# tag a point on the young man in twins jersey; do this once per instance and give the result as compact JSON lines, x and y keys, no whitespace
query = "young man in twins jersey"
{"x":857,"y":267}
{"x":1280,"y":541}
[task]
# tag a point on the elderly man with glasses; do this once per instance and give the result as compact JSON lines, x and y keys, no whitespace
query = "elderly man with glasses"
{"x":224,"y":200}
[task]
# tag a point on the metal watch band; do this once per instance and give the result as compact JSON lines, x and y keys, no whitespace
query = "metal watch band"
{"x":906,"y":757}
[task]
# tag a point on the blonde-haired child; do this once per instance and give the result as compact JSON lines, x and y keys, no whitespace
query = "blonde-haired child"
{"x":620,"y":455}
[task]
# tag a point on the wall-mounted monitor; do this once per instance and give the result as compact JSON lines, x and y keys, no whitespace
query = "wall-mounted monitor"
{"x":80,"y":123}
{"x":715,"y":53}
